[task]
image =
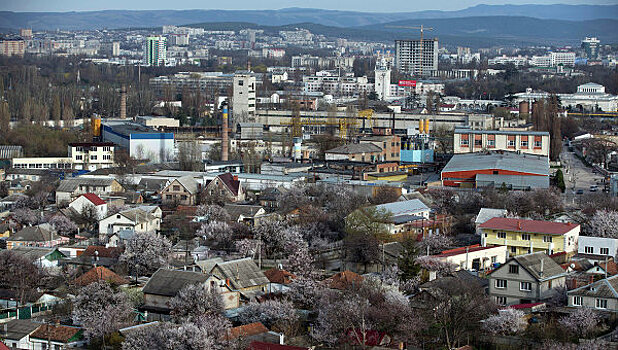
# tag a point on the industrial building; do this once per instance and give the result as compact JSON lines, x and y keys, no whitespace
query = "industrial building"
{"x":243,"y":102}
{"x":589,"y":96}
{"x":141,"y":142}
{"x":531,"y":142}
{"x":412,"y":58}
{"x":501,"y":169}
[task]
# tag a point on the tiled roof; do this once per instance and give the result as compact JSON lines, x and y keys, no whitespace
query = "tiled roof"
{"x":243,"y":273}
{"x":104,"y":252}
{"x":343,"y":280}
{"x":525,"y":306}
{"x":93,"y":198}
{"x":169,"y":282}
{"x":3,"y":347}
{"x":231,"y":182}
{"x":279,"y":276}
{"x":57,"y":333}
{"x":539,"y":265}
{"x":462,"y":250}
{"x":99,"y":273}
{"x":529,"y":226}
{"x":246,"y":330}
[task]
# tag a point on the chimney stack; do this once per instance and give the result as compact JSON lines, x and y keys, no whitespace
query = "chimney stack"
{"x":224,"y":141}
{"x":123,"y":102}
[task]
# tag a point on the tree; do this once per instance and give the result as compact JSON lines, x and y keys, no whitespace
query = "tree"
{"x":146,"y":252}
{"x":100,"y":310}
{"x":305,"y":292}
{"x":506,"y":322}
{"x":194,"y":301}
{"x":384,"y":194}
{"x":603,"y":224}
{"x":213,"y":212}
{"x":559,"y":181}
{"x":442,"y":268}
{"x":582,"y":322}
{"x":435,"y":243}
{"x":27,"y":216}
{"x":218,"y":232}
{"x":278,"y":315}
{"x":444,"y":139}
{"x":408,"y":268}
{"x":18,"y":274}
{"x":63,"y":225}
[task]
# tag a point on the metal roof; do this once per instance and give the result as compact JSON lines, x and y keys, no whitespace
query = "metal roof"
{"x":170,"y":282}
{"x":541,"y":271}
{"x":514,"y":181}
{"x":489,"y":213}
{"x":355,"y":148}
{"x":525,"y":163}
{"x":405,"y":207}
{"x":501,"y":132}
{"x":243,"y":273}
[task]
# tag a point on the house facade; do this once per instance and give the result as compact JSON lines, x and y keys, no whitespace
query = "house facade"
{"x":83,"y":202}
{"x":474,"y":257}
{"x":70,"y":189}
{"x":135,"y":220}
{"x":181,"y":191}
{"x":603,"y":247}
{"x":527,"y":236}
{"x":228,"y":186}
{"x":600,"y":295}
{"x":530,"y":142}
{"x":526,"y":279}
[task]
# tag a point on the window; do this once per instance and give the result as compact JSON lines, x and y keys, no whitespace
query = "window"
{"x":502,"y":235}
{"x":577,"y":301}
{"x":94,"y":157}
{"x":525,"y":286}
{"x":511,"y":143}
{"x":494,"y":259}
{"x":589,"y":250}
{"x":491,"y":143}
{"x":514,"y":269}
{"x":601,"y":303}
{"x":176,"y":188}
{"x":513,"y":250}
{"x":524,"y":143}
{"x":79,"y":157}
{"x":478,"y":143}
{"x":501,"y":300}
{"x":501,"y":284}
{"x":168,"y":196}
{"x":183,"y":197}
{"x":604,"y":251}
{"x":241,"y":83}
{"x":538,"y":144}
{"x":547,"y":239}
{"x":525,"y":237}
{"x":464,"y":142}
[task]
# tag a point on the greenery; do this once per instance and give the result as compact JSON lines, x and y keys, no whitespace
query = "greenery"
{"x":559,"y":180}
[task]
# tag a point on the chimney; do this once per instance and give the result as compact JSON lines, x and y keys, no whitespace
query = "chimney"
{"x":123,"y":102}
{"x":542,"y":265}
{"x":235,"y":177}
{"x":6,"y":330}
{"x":224,"y":141}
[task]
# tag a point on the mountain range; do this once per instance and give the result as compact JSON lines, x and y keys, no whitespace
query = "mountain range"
{"x":113,"y":19}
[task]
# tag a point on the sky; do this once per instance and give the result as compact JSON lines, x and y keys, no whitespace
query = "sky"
{"x":363,"y":5}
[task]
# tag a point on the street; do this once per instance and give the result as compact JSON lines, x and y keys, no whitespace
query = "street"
{"x":577,"y":176}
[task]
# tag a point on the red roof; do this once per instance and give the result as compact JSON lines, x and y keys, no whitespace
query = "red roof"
{"x":246,"y":330}
{"x":100,"y":273}
{"x":103,"y":252}
{"x":3,"y":346}
{"x":531,"y":226}
{"x":462,"y":250}
{"x":59,"y":333}
{"x":343,"y":280}
{"x":279,"y":276}
{"x":94,"y":199}
{"x":231,"y":182}
{"x":258,"y":345}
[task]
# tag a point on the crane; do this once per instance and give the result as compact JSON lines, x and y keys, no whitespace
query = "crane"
{"x":422,"y":28}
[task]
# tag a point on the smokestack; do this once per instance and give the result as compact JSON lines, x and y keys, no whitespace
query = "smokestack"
{"x":123,"y":102}
{"x":224,"y":141}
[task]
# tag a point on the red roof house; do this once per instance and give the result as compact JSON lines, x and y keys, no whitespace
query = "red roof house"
{"x":529,"y":226}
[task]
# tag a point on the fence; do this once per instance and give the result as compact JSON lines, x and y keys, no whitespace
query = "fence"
{"x":25,"y":312}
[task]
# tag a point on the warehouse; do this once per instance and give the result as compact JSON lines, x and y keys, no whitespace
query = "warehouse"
{"x":141,"y":142}
{"x":501,"y":169}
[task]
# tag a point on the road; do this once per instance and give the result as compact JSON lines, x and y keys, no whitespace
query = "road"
{"x":577,"y":176}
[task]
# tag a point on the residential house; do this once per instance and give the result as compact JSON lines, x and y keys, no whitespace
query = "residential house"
{"x":600,"y":295}
{"x":343,"y":280}
{"x":135,"y":220}
{"x":253,"y":332}
{"x":57,"y":337}
{"x":269,"y":198}
{"x":245,"y":214}
{"x":120,"y":238}
{"x":524,"y":236}
{"x":42,"y":257}
{"x":180,"y":191}
{"x":89,"y":200}
{"x":526,"y":279}
{"x":597,"y":248}
{"x":279,"y":280}
{"x":99,"y":273}
{"x":16,"y":333}
{"x":448,"y":286}
{"x":165,"y":285}
{"x":97,"y":255}
{"x":485,"y":214}
{"x":474,"y":257}
{"x":70,"y":189}
{"x":32,"y":175}
{"x":243,"y":275}
{"x":228,"y":186}
{"x":403,"y":214}
{"x":42,"y":235}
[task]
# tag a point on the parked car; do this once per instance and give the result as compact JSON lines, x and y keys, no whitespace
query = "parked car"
{"x":594,"y":188}
{"x":579,"y":192}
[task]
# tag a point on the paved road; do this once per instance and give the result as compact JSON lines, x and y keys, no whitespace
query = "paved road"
{"x":577,"y":176}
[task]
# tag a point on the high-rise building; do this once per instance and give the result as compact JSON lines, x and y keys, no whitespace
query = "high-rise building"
{"x":243,"y":102}
{"x":155,"y":52}
{"x":591,"y":48}
{"x":12,"y":47}
{"x":25,"y":33}
{"x":411,"y":58}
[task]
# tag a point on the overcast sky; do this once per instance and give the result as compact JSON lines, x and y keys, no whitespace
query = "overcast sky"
{"x":363,"y":5}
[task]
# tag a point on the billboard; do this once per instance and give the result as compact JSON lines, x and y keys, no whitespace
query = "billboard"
{"x":410,"y":83}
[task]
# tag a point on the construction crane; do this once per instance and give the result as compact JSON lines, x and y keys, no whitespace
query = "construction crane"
{"x":422,"y":28}
{"x":367,"y":116}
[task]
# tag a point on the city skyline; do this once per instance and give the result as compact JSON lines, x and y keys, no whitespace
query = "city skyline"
{"x":349,"y":5}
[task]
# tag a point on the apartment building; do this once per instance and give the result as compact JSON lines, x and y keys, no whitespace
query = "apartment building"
{"x":91,"y":155}
{"x":530,"y":142}
{"x":523,"y":236}
{"x":416,"y":58}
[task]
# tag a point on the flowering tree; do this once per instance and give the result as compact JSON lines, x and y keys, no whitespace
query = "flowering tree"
{"x":442,"y":268}
{"x":305,"y":292}
{"x":506,"y":322}
{"x":300,"y":262}
{"x":435,"y":243}
{"x":63,"y":225}
{"x":247,"y":247}
{"x":581,"y":322}
{"x":194,"y":301}
{"x":27,"y":216}
{"x":218,"y":232}
{"x":100,"y":310}
{"x":603,"y":224}
{"x":19,"y":274}
{"x":213,"y":212}
{"x":146,"y":252}
{"x":278,"y":315}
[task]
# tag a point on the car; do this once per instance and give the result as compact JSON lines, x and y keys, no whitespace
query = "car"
{"x":579,"y":192}
{"x":594,"y":188}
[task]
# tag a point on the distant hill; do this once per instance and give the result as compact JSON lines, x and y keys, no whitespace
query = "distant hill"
{"x":114,"y":19}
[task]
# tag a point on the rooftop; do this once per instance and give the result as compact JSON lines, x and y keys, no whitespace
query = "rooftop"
{"x":462,"y":250}
{"x":539,"y":265}
{"x":605,"y":288}
{"x":403,"y":207}
{"x":529,"y":226}
{"x":355,"y":148}
{"x":169,"y":282}
{"x":99,"y":273}
{"x":500,"y":132}
{"x":520,"y":163}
